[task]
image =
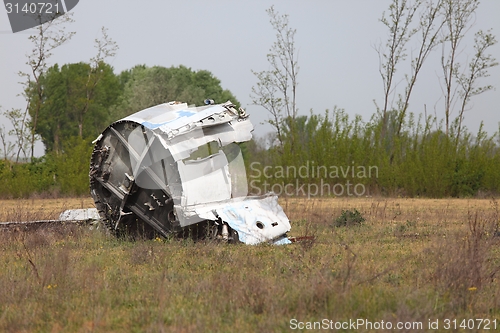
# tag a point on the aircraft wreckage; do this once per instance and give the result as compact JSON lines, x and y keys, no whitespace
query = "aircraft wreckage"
{"x":175,"y":169}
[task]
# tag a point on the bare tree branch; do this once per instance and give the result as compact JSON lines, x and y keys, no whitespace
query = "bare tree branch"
{"x":457,"y":15}
{"x":276,"y":89}
{"x":50,"y":35}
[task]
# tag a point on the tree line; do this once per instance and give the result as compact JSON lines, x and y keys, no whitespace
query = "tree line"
{"x":339,"y":155}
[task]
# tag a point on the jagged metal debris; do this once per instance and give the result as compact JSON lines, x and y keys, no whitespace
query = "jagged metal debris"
{"x":177,"y":169}
{"x":79,"y":216}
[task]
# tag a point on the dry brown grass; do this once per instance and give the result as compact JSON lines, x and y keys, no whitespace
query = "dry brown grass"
{"x":411,"y":260}
{"x":22,"y":210}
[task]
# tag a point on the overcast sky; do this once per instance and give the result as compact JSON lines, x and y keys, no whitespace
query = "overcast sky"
{"x":335,"y":40}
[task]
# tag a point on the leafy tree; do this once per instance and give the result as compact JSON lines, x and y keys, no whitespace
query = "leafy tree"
{"x":66,"y":109}
{"x":106,"y":48}
{"x":144,"y":87}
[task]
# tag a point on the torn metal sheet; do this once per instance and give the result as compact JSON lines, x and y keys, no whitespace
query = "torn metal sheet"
{"x":172,"y":168}
{"x":86,"y":214}
{"x":256,"y":219}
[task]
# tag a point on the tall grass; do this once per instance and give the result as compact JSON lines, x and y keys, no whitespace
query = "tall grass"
{"x":411,"y":260}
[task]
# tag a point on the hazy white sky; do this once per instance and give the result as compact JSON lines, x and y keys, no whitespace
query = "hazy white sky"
{"x":335,"y":39}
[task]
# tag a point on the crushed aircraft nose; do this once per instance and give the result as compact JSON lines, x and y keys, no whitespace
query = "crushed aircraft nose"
{"x":175,"y":169}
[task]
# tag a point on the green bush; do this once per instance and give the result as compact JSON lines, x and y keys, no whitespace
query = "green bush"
{"x":420,"y":160}
{"x":73,"y":167}
{"x":349,"y":218}
{"x":20,"y":180}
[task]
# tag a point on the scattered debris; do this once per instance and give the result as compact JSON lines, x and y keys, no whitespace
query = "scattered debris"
{"x":86,"y":214}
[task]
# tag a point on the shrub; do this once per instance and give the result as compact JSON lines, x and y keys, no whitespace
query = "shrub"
{"x":349,"y":218}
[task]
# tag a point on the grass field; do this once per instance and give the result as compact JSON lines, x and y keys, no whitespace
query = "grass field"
{"x":412,"y":261}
